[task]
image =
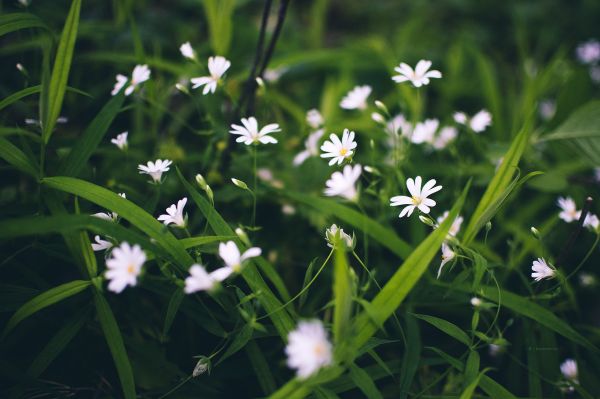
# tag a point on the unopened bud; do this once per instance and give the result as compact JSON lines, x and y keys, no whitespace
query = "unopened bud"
{"x":201,"y":181}
{"x":427,"y":220}
{"x":202,"y":366}
{"x":535,"y":232}
{"x":378,"y":118}
{"x":239,"y":183}
{"x":182,"y":88}
{"x":243,"y":236}
{"x":381,"y":106}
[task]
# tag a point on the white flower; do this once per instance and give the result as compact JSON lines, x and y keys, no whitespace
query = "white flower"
{"x":155,"y":169}
{"x":120,"y":141}
{"x":335,"y":235}
{"x":338,"y":150}
{"x":109,"y":216}
{"x":311,"y":147}
{"x":587,"y":279}
{"x":174,"y":214}
{"x":124,"y":266}
{"x":273,"y":75}
{"x":343,"y":183}
{"x":230,"y":254}
{"x":478,"y":123}
{"x":187,"y":51}
{"x":101,"y":244}
{"x":455,"y":228}
{"x":595,"y":73}
{"x":356,"y":98}
{"x":476,"y":302}
{"x":541,"y":270}
{"x":399,"y":124}
{"x":588,"y":52}
{"x":547,"y":109}
{"x":140,"y":74}
{"x":447,"y":255}
{"x":217,"y":66}
{"x":314,"y":118}
{"x":199,"y":280}
{"x":460,"y":117}
{"x":568,"y":368}
{"x":308,"y":348}
{"x":444,"y":136}
{"x":591,"y":221}
{"x":424,"y":132}
{"x":569,"y":212}
{"x":418,"y":198}
{"x":249,"y":133}
{"x":419,"y":76}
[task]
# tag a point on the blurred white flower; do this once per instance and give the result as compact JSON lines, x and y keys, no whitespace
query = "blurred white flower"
{"x":217,"y":66}
{"x":547,"y":109}
{"x":187,"y":51}
{"x":249,"y":133}
{"x":455,"y":228}
{"x":155,"y":169}
{"x":335,"y":236}
{"x":595,"y":73}
{"x":569,"y":212}
{"x":140,"y":74}
{"x":478,"y":123}
{"x":120,"y":141}
{"x":288,"y":209}
{"x":568,"y":368}
{"x":338,"y":150}
{"x":597,"y":174}
{"x":199,"y":280}
{"x":174,"y":214}
{"x":476,"y":302}
{"x":424,"y":132}
{"x":314,"y":118}
{"x":495,"y":349}
{"x":444,"y":137}
{"x":343,"y":183}
{"x":377,"y":117}
{"x":109,"y":216}
{"x":32,"y":121}
{"x":25,"y":3}
{"x":419,"y":76}
{"x":356,"y":98}
{"x":308,"y":348}
{"x":541,"y":270}
{"x":399,"y":125}
{"x":447,"y":255}
{"x":311,"y":147}
{"x":587,"y":279}
{"x":460,"y":117}
{"x":230,"y":254}
{"x":124,"y":266}
{"x":101,"y":244}
{"x":591,"y":221}
{"x":419,"y":196}
{"x":588,"y":52}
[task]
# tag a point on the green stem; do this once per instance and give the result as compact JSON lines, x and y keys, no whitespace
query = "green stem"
{"x":254,"y":156}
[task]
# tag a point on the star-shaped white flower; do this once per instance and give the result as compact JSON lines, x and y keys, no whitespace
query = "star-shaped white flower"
{"x":155,"y":169}
{"x":174,"y":214}
{"x":569,"y":212}
{"x":140,"y":74}
{"x":455,"y":227}
{"x":541,"y":270}
{"x":314,"y":118}
{"x":124,"y":266}
{"x":419,"y":76}
{"x":447,"y":255}
{"x":249,"y":133}
{"x":334,"y":235}
{"x":356,"y":98}
{"x":424,"y":132}
{"x":200,"y":280}
{"x":478,"y":123}
{"x":308,"y":348}
{"x":100,"y":244}
{"x":311,"y":147}
{"x":233,"y":260}
{"x":419,"y":196}
{"x":120,"y":141}
{"x":217,"y":66}
{"x":344,"y":183}
{"x":568,"y":368}
{"x":338,"y":150}
{"x":187,"y":51}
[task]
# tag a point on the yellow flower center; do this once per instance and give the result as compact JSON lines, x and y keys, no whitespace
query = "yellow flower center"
{"x":343,"y":152}
{"x":130,"y":269}
{"x":417,"y":201}
{"x":319,"y":349}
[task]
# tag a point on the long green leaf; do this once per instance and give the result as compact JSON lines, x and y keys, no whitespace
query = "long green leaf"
{"x":45,"y":299}
{"x":342,"y":299}
{"x":412,"y":354}
{"x":19,"y":20}
{"x":17,"y":158}
{"x":447,"y":327}
{"x":19,"y":95}
{"x":113,"y":337}
{"x":364,"y":382}
{"x":60,"y":72}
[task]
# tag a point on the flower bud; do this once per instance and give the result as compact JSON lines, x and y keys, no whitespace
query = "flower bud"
{"x":202,"y":366}
{"x":336,"y":236}
{"x":382,"y":107}
{"x":243,"y":236}
{"x":201,"y":181}
{"x":427,"y":220}
{"x":535,"y":232}
{"x":182,"y":88}
{"x":378,"y":118}
{"x":239,"y":183}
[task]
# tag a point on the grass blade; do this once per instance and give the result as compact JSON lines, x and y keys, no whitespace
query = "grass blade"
{"x":17,"y":158}
{"x":364,"y":382}
{"x":342,"y":297}
{"x":447,"y":327}
{"x":19,"y":20}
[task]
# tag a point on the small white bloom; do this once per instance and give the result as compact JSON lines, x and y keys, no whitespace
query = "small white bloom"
{"x":495,"y":349}
{"x":460,"y":117}
{"x":217,"y":66}
{"x":547,"y":109}
{"x":230,"y":254}
{"x":455,"y":228}
{"x":308,"y":348}
{"x":101,"y":244}
{"x":356,"y":98}
{"x":591,"y":221}
{"x":447,"y":255}
{"x":25,"y":3}
{"x":187,"y":51}
{"x":174,"y":214}
{"x":476,"y":302}
{"x":424,"y":132}
{"x":569,"y":212}
{"x":155,"y":169}
{"x":419,"y":76}
{"x":120,"y":141}
{"x":588,"y":52}
{"x":314,"y":118}
{"x":478,"y":123}
{"x":338,"y":150}
{"x":109,"y":216}
{"x":249,"y":133}
{"x":311,"y":147}
{"x":444,"y":137}
{"x":419,"y":196}
{"x":541,"y":270}
{"x":140,"y":74}
{"x":288,"y":209}
{"x":199,"y":280}
{"x":568,"y":368}
{"x":124,"y":266}
{"x":335,"y":235}
{"x":273,"y":75}
{"x":377,"y":117}
{"x":343,"y":183}
{"x":587,"y":279}
{"x":399,"y":125}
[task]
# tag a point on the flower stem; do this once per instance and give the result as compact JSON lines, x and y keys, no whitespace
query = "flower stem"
{"x":254,"y":169}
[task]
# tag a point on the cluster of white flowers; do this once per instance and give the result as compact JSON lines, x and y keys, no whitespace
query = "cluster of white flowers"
{"x":140,"y":74}
{"x":477,"y":123}
{"x":569,"y":213}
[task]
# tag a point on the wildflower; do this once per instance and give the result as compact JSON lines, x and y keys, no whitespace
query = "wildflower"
{"x":311,"y":147}
{"x":230,"y":254}
{"x":249,"y":133}
{"x":199,"y":280}
{"x":476,"y":302}
{"x":101,"y":244}
{"x":419,"y":76}
{"x":591,"y":221}
{"x":444,"y":136}
{"x":109,"y":216}
{"x":424,"y":132}
{"x":338,"y":150}
{"x":478,"y":123}
{"x":568,"y":368}
{"x":588,"y":52}
{"x":541,"y":270}
{"x":308,"y":348}
{"x":568,"y":208}
{"x":174,"y":214}
{"x":335,"y":236}
{"x":314,"y":118}
{"x":32,"y":121}
{"x":455,"y":228}
{"x":547,"y":109}
{"x":120,"y":141}
{"x":419,"y":196}
{"x":447,"y":256}
{"x":587,"y":279}
{"x":187,"y":51}
{"x":140,"y":74}
{"x":288,"y":209}
{"x":217,"y":66}
{"x":124,"y":266}
{"x":155,"y":169}
{"x":356,"y":98}
{"x":273,"y":75}
{"x":343,"y":183}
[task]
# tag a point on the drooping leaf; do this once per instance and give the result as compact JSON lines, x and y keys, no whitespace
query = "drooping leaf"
{"x":447,"y":327}
{"x":364,"y":382}
{"x":19,"y":20}
{"x":17,"y":158}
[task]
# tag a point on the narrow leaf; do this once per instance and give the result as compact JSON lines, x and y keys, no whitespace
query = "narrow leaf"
{"x":17,"y":158}
{"x":445,"y":326}
{"x":19,"y":20}
{"x":364,"y":382}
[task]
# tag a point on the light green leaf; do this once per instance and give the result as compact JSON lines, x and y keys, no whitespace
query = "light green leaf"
{"x":19,"y":95}
{"x":342,"y":298}
{"x":445,"y":326}
{"x":219,"y":14}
